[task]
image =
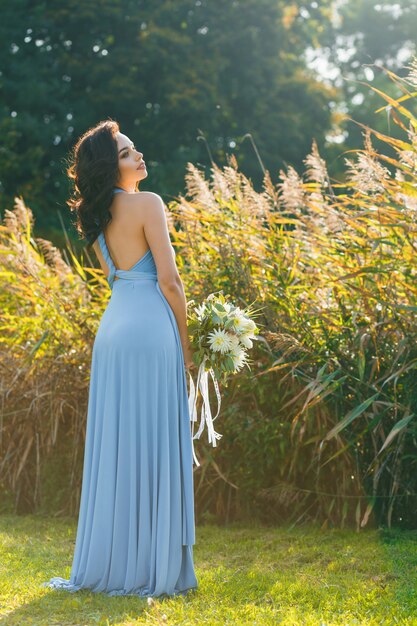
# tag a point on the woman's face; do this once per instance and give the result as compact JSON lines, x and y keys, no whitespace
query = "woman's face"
{"x":132,"y":168}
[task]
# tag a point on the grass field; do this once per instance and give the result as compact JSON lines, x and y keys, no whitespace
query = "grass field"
{"x":247,"y":575}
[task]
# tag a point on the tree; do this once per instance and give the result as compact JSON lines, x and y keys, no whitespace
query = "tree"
{"x":165,"y":71}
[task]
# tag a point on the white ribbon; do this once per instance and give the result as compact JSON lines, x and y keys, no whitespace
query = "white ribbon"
{"x":206,"y":416}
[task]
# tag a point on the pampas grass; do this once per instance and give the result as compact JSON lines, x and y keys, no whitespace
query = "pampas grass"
{"x":329,"y":408}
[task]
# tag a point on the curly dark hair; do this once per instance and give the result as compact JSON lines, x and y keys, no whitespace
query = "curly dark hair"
{"x":94,"y":168}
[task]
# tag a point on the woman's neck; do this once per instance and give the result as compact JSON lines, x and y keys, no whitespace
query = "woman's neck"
{"x":128,"y":190}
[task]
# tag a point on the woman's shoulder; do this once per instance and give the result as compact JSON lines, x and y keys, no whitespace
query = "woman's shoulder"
{"x":145,"y":201}
{"x":137,"y":195}
{"x":138,"y":207}
{"x":140,"y":198}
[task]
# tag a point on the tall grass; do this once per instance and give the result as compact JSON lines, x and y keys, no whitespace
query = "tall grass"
{"x":329,"y":428}
{"x":49,"y":314}
{"x":324,"y":426}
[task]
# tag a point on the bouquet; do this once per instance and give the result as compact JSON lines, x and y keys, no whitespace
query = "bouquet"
{"x":221,"y":334}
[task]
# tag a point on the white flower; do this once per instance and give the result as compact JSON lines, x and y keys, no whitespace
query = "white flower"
{"x":200,"y":311}
{"x":220,"y":340}
{"x":246,"y":340}
{"x":234,"y":340}
{"x":239,"y":323}
{"x":239,"y":359}
{"x":238,"y":356}
{"x":249,"y":324}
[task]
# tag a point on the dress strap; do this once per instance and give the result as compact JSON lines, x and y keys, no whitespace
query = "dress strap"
{"x":107,"y":258}
{"x":106,"y":253}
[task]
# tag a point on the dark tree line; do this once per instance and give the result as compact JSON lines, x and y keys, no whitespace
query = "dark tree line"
{"x":166,"y":71}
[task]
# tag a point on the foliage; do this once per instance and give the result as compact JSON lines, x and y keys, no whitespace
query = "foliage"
{"x":168,"y":72}
{"x":324,"y":426}
{"x":49,"y":314}
{"x":335,"y":411}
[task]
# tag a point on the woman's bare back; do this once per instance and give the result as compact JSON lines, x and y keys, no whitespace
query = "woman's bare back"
{"x":124,"y":235}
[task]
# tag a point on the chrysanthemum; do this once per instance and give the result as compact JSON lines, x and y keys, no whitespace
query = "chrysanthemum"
{"x":220,"y":341}
{"x":234,"y":340}
{"x":239,"y":359}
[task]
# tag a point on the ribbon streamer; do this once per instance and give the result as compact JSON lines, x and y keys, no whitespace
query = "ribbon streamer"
{"x":205,"y":416}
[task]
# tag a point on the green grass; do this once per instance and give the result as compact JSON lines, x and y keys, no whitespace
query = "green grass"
{"x":246,"y":574}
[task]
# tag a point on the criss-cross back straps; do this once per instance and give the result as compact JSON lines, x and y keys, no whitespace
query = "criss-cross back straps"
{"x":106,"y":253}
{"x":107,"y":258}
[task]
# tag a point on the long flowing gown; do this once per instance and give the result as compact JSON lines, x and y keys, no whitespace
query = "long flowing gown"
{"x":136,"y":529}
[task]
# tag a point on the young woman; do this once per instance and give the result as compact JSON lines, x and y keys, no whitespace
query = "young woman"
{"x":136,"y":520}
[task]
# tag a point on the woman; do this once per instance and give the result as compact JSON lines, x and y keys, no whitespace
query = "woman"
{"x":136,"y":520}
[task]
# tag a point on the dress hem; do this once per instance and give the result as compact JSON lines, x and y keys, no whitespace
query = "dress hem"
{"x":64,"y":584}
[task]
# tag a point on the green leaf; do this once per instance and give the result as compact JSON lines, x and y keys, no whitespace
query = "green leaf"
{"x":396,"y":429}
{"x":348,"y":419}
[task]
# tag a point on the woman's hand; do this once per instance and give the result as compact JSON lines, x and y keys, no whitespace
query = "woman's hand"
{"x":188,"y":357}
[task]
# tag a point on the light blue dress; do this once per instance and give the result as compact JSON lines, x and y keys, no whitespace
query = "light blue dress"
{"x":136,"y":520}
